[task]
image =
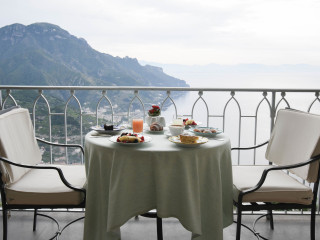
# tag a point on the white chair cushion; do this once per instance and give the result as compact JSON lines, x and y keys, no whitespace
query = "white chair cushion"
{"x":295,"y":139}
{"x":278,"y":186}
{"x":44,"y":187}
{"x":17,"y":143}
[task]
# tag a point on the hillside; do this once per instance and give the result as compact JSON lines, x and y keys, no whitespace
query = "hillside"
{"x":45,"y":54}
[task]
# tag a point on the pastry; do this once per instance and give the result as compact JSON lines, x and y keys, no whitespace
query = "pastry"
{"x":205,"y":130}
{"x":156,"y":127}
{"x":108,"y":127}
{"x":188,"y":138}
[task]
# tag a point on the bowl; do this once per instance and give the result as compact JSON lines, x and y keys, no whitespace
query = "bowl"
{"x":176,"y":130}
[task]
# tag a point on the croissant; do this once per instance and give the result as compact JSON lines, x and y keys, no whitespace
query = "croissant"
{"x":156,"y":127}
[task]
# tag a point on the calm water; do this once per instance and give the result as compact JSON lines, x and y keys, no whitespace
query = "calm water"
{"x":216,"y":102}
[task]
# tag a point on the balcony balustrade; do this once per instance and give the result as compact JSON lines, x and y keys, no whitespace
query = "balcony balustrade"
{"x":246,"y":115}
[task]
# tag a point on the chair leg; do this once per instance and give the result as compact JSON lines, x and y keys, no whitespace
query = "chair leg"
{"x":313,"y":223}
{"x":238,"y":224}
{"x":159,"y":228}
{"x":35,"y":219}
{"x":270,"y":218}
{"x":5,"y":223}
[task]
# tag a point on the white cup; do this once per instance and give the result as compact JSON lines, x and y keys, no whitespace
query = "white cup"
{"x":176,"y":130}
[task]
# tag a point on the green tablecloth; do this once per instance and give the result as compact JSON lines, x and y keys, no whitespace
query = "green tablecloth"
{"x":192,"y":184}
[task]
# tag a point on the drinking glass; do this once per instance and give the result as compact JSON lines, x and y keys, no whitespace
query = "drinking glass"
{"x":137,"y":125}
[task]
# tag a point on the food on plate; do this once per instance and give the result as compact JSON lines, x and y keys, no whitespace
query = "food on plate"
{"x":184,"y":138}
{"x":154,"y":111}
{"x":155,"y":126}
{"x":130,"y":138}
{"x":205,"y":130}
{"x":107,"y":127}
{"x":188,"y":122}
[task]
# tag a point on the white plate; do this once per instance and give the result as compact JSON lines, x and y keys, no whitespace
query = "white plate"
{"x":101,"y":130}
{"x":168,"y":134}
{"x":153,"y":132}
{"x":218,"y":131}
{"x":114,"y":140}
{"x":176,"y":140}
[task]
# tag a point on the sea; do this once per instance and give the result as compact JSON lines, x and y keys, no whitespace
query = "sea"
{"x":247,"y":114}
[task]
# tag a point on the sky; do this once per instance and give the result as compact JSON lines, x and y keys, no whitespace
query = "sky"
{"x":185,"y":32}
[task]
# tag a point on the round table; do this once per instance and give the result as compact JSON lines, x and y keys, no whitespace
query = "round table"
{"x":193,"y":185}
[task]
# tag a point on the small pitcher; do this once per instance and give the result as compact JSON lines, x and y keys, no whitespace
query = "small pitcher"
{"x":162,"y":121}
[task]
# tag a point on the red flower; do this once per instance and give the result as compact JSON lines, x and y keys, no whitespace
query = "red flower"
{"x":155,"y":107}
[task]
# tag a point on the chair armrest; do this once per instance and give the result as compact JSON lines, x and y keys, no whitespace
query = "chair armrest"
{"x":276,"y":168}
{"x":249,"y":148}
{"x":63,"y":179}
{"x":61,"y":144}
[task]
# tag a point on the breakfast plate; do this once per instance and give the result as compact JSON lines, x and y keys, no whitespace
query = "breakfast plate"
{"x":205,"y":131}
{"x":176,"y":140}
{"x":101,"y":130}
{"x":114,"y":140}
{"x":153,"y":132}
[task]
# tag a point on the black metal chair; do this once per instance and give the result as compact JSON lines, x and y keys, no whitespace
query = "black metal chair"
{"x":25,"y":182}
{"x":153,"y":214}
{"x":294,"y":146}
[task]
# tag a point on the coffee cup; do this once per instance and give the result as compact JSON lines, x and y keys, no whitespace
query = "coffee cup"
{"x":176,"y":130}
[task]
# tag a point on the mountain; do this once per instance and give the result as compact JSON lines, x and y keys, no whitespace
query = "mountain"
{"x":45,"y":54}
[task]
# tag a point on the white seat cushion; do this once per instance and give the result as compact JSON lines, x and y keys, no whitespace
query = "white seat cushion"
{"x":44,"y":187}
{"x":278,"y":186}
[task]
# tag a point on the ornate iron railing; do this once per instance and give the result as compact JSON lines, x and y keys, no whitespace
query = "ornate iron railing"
{"x":246,"y":115}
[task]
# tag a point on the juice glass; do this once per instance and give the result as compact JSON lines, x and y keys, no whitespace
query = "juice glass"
{"x":137,"y":125}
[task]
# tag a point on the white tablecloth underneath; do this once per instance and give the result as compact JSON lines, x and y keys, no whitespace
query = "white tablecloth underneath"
{"x":193,"y":185}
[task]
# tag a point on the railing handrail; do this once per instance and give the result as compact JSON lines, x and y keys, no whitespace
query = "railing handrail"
{"x":158,"y":88}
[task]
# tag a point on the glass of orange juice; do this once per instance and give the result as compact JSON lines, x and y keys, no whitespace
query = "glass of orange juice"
{"x":137,"y":125}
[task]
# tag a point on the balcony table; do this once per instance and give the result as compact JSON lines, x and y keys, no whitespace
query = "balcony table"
{"x":193,"y":185}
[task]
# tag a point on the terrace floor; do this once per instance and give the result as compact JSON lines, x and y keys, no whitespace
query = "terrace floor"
{"x":20,"y":227}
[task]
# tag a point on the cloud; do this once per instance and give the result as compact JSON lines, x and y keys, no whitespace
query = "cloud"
{"x":184,"y":31}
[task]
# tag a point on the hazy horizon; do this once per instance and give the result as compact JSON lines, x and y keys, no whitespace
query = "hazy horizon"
{"x":245,"y":75}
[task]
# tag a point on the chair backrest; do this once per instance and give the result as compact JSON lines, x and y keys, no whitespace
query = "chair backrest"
{"x":17,"y":143}
{"x":294,"y":139}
